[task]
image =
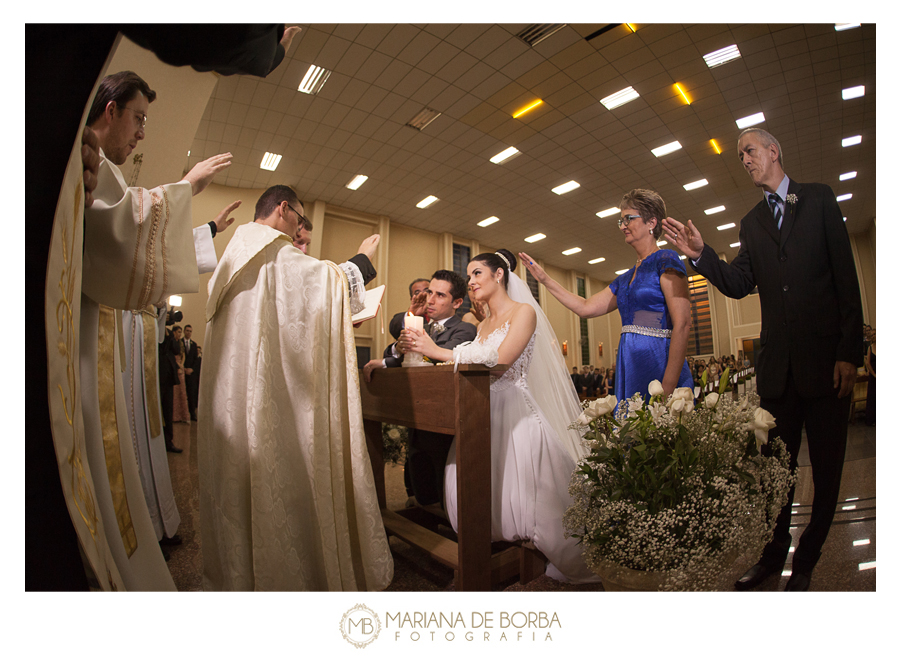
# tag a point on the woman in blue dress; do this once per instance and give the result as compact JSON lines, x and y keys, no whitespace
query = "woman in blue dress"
{"x":652,"y":299}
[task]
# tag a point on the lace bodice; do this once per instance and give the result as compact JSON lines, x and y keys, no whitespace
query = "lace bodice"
{"x":516,"y":375}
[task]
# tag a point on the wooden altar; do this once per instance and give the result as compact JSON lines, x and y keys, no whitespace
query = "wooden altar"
{"x":440,"y":400}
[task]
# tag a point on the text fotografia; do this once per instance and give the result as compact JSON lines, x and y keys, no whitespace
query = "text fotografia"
{"x":480,"y":626}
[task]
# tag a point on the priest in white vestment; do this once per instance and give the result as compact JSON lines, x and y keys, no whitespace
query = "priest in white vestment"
{"x":139,"y":248}
{"x":287,"y":496}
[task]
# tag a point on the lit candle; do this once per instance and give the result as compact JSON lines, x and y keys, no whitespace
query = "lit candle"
{"x":414,"y":322}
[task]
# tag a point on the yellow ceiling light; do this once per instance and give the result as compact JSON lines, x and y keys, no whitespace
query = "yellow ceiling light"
{"x":683,"y":93}
{"x":715,"y":146}
{"x":631,"y":27}
{"x":528,"y":108}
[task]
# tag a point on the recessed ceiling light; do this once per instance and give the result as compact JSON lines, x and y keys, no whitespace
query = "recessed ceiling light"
{"x":840,"y":27}
{"x":844,"y":197}
{"x":722,"y":56}
{"x":537,"y":32}
{"x":357,"y":182}
{"x":619,"y":98}
{"x":505,"y":155}
{"x":660,"y":243}
{"x":666,"y":148}
{"x":566,"y":187}
{"x":696,"y":184}
{"x":489,"y":221}
{"x":573,"y":250}
{"x":725,"y":226}
{"x":848,"y":175}
{"x":845,"y":219}
{"x":427,"y":201}
{"x":853,"y":92}
{"x":850,"y":141}
{"x":621,"y":271}
{"x":751,"y":120}
{"x":866,"y":565}
{"x":527,"y":108}
{"x":270,"y":161}
{"x":735,"y":244}
{"x":861,"y":542}
{"x":683,"y":93}
{"x":314,"y":80}
{"x":713,"y":211}
{"x":595,"y":261}
{"x":683,"y":257}
{"x":535,"y":237}
{"x":175,"y":300}
{"x":715,"y":146}
{"x":423,"y":118}
{"x":607,"y":212}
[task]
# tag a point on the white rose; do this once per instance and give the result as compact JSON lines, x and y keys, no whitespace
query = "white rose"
{"x":711,"y":400}
{"x":606,"y":405}
{"x":583,"y":419}
{"x":762,"y":422}
{"x":394,"y":434}
{"x":657,"y":410}
{"x":677,"y":405}
{"x":656,"y":388}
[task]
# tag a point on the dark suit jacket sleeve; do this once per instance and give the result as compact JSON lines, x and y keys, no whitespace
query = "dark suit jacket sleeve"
{"x":365,"y":267}
{"x":457,"y":334}
{"x":734,"y":279}
{"x":846,"y":283}
{"x":397,"y":325}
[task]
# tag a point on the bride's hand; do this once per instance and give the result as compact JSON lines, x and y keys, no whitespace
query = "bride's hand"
{"x":531,"y":265}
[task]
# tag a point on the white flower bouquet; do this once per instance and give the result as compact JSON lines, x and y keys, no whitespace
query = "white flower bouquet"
{"x":676,"y":489}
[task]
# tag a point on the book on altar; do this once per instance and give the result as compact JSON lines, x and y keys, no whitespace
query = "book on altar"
{"x":373,"y":303}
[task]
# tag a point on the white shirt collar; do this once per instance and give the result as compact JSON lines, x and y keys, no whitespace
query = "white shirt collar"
{"x":781,"y":191}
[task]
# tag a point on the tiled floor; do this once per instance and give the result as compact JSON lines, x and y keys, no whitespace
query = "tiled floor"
{"x":847,"y":563}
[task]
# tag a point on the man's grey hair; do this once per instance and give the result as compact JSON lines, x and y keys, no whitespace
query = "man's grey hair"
{"x":767,"y":140}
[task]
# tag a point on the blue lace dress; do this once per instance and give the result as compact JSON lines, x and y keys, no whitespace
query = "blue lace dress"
{"x":646,"y":326}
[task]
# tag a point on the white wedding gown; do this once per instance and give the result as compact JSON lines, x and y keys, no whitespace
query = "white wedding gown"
{"x":530,"y":471}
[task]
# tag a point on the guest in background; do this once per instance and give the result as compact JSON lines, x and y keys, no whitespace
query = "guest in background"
{"x":870,"y":368}
{"x":191,"y":371}
{"x":590,"y":385}
{"x":180,"y":409}
{"x":576,"y":381}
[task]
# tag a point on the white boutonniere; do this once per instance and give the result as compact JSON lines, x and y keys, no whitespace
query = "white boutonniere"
{"x":791,"y":199}
{"x":437,"y":329}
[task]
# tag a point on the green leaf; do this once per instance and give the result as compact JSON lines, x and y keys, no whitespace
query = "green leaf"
{"x":723,"y":381}
{"x":704,"y":378}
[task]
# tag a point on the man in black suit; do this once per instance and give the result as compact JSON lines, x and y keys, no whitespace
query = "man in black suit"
{"x":418,"y":300}
{"x":428,"y":450}
{"x":168,"y":379}
{"x":191,"y":373}
{"x":576,"y":380}
{"x":796,"y":251}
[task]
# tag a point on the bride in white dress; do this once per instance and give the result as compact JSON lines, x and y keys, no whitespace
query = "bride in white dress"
{"x":533,"y":454}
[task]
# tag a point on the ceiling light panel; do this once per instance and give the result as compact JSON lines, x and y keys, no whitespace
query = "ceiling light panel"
{"x":270,"y":161}
{"x":713,"y":211}
{"x":502,"y":156}
{"x":696,"y":184}
{"x":357,"y":182}
{"x":595,"y":261}
{"x":489,"y":221}
{"x":853,"y":92}
{"x":850,"y":141}
{"x":314,"y":80}
{"x":423,"y":118}
{"x":527,"y":108}
{"x":608,"y":212}
{"x":751,"y":120}
{"x":848,"y":175}
{"x":665,"y":149}
{"x":427,"y":201}
{"x":573,"y":250}
{"x":722,"y":56}
{"x":537,"y":32}
{"x":566,"y":187}
{"x":535,"y":237}
{"x":724,"y":226}
{"x":619,"y":98}
{"x":844,"y":197}
{"x":840,"y":27}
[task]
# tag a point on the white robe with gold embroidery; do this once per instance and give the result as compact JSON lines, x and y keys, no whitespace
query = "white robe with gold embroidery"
{"x":287,"y":497}
{"x":139,"y":248}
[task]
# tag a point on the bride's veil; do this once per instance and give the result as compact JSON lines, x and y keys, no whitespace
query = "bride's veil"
{"x":548,"y":376}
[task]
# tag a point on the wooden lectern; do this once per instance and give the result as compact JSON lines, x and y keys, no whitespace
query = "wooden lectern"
{"x":459,"y":403}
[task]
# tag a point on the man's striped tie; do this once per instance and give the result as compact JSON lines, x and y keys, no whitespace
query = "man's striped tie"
{"x":774,"y":200}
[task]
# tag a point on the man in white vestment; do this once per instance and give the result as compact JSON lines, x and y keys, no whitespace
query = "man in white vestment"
{"x":139,"y":248}
{"x":287,"y":496}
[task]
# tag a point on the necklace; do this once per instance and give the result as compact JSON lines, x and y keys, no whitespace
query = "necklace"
{"x":641,"y":260}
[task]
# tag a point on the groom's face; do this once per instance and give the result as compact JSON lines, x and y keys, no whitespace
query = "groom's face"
{"x":440,"y":300}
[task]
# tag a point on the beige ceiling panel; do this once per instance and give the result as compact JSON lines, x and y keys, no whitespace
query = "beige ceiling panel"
{"x":465,"y":34}
{"x":492,"y":121}
{"x":312,"y":41}
{"x":538,"y":74}
{"x":372,"y":34}
{"x":352,"y":59}
{"x":577,"y":104}
{"x":418,"y":48}
{"x":437,"y":57}
{"x":491,"y":86}
{"x":574,"y":53}
{"x":397,"y":39}
{"x":491,"y":40}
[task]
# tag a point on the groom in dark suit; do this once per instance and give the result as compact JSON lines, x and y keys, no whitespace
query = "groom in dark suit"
{"x":796,"y":251}
{"x":428,"y":450}
{"x":191,"y":373}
